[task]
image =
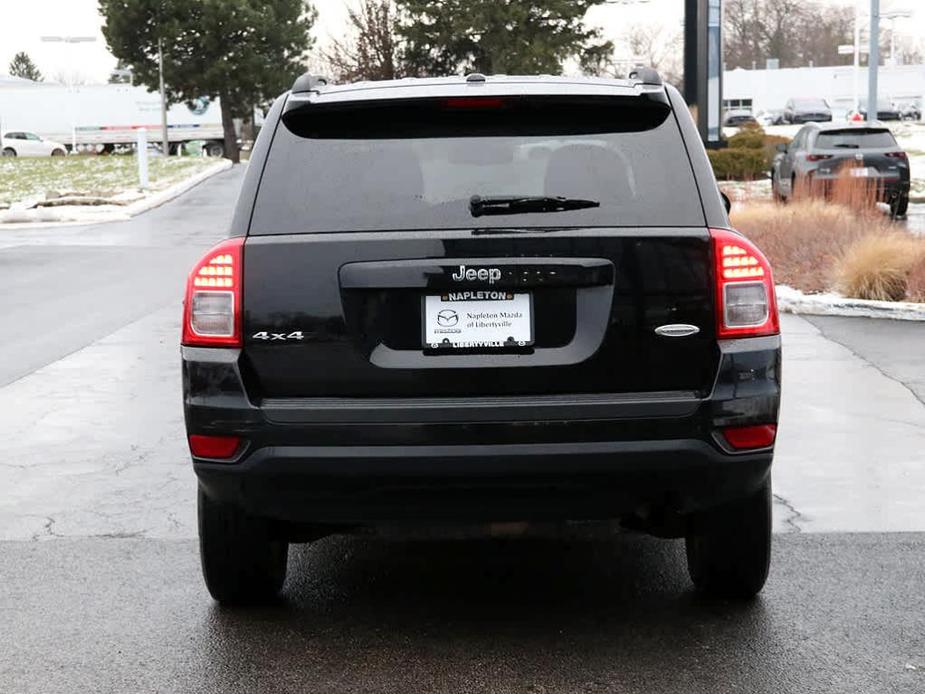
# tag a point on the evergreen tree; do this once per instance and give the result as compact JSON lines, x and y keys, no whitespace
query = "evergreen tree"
{"x":22,"y":66}
{"x":243,"y":52}
{"x":447,"y":37}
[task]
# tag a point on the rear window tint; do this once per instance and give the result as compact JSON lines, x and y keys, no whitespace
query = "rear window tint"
{"x":330,"y":184}
{"x":855,"y":139}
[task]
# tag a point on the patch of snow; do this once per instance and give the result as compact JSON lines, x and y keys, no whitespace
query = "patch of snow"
{"x":131,"y":203}
{"x":790,"y":300}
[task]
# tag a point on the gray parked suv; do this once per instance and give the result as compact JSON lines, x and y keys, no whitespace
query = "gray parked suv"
{"x":822,"y":153}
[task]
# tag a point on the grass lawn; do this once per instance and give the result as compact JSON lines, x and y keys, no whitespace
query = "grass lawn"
{"x":27,"y":177}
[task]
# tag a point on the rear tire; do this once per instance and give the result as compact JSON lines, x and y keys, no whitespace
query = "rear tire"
{"x":899,"y":206}
{"x":729,"y":548}
{"x":215,"y":149}
{"x":775,"y":190}
{"x":242,"y":563}
{"x":57,"y":152}
{"x":9,"y":152}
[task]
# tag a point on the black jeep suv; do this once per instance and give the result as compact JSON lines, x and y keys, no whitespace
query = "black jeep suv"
{"x":481,"y":300}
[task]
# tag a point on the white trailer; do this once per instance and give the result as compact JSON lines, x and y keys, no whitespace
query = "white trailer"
{"x":106,"y":115}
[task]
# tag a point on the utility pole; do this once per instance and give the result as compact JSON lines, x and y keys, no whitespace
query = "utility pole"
{"x":160,"y":77}
{"x":873,"y":60}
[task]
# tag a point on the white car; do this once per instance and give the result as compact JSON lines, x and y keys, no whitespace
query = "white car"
{"x":18,"y":143}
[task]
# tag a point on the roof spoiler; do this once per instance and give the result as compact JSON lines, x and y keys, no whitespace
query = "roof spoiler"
{"x":645,"y":75}
{"x":308,"y":83}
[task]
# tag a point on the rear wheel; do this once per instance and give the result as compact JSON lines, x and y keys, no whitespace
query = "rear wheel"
{"x":57,"y":152}
{"x":9,"y":152}
{"x":215,"y":149}
{"x":729,"y":549}
{"x":775,"y":189}
{"x":899,"y":205}
{"x":242,"y":563}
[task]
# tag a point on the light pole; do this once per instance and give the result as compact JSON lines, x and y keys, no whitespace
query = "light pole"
{"x":160,"y":77}
{"x":69,"y":85}
{"x":857,"y":55}
{"x":873,"y":60}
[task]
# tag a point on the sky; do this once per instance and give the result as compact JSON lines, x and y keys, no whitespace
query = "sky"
{"x":25,"y":22}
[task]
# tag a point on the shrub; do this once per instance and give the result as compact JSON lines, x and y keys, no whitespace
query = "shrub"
{"x":738,"y":163}
{"x":804,"y":239}
{"x":878,"y":266}
{"x":915,"y":286}
{"x":747,"y":138}
{"x":748,"y":156}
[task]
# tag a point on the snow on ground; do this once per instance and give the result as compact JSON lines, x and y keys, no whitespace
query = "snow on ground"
{"x":85,"y":189}
{"x":792,"y":300}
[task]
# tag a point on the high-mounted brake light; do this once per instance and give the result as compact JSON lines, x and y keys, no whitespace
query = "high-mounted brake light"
{"x":818,"y":157}
{"x":473,"y":102}
{"x":212,"y":307}
{"x":746,"y":305}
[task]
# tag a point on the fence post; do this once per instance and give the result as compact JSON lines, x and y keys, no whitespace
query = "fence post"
{"x":141,"y":151}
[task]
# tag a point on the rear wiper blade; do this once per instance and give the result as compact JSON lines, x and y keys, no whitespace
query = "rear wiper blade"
{"x":845,"y":145}
{"x":480,"y":205}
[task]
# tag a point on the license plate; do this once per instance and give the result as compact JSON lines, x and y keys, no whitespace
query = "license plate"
{"x":477,"y":319}
{"x":861,"y":171}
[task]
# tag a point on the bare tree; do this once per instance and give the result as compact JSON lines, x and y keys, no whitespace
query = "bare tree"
{"x":655,"y":45}
{"x":371,"y":52}
{"x":71,"y":78}
{"x":796,"y":32}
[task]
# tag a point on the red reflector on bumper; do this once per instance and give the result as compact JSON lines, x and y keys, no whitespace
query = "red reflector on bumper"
{"x":759,"y":436}
{"x":213,"y":446}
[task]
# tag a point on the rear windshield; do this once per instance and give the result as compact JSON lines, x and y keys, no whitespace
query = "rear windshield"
{"x":316,"y":182}
{"x":855,"y":139}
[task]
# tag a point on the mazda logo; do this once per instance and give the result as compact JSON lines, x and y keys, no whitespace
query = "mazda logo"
{"x":447,"y":318}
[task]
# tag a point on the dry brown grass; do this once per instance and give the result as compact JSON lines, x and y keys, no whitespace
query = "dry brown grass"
{"x":878,"y":266}
{"x":915,"y":283}
{"x":857,"y":193}
{"x":805,"y":239}
{"x":837,"y":238}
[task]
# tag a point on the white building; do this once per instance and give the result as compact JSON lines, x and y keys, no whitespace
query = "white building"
{"x":763,"y":90}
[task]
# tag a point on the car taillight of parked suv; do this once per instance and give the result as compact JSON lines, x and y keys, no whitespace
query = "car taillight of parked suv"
{"x":478,"y":300}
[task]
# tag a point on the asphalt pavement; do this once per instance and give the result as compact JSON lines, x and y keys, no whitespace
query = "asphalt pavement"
{"x":99,"y":582}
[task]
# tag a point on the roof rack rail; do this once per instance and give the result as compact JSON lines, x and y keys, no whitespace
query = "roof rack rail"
{"x":645,"y":75}
{"x":308,"y":83}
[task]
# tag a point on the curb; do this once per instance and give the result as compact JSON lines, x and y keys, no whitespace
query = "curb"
{"x":790,"y":300}
{"x":124,"y":212}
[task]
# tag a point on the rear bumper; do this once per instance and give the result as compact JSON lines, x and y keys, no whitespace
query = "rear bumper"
{"x":552,"y":457}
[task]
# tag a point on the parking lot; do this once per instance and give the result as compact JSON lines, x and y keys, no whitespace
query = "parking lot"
{"x":97,"y":524}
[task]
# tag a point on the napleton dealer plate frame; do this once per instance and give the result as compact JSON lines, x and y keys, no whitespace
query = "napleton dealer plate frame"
{"x":477,"y":319}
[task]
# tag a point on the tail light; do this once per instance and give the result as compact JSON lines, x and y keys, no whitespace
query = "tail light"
{"x":212,"y":307}
{"x":746,"y":305}
{"x":818,"y":157}
{"x":897,"y":155}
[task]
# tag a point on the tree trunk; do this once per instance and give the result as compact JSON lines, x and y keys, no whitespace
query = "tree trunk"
{"x":231,"y":137}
